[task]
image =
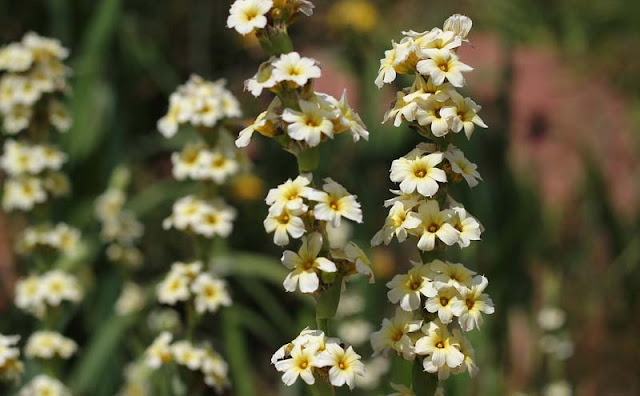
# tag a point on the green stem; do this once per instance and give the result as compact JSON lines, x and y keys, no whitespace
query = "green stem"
{"x":308,"y":160}
{"x":192,"y":320}
{"x":321,"y":388}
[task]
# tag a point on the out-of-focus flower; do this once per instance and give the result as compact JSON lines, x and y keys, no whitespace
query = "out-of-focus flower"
{"x":359,"y":15}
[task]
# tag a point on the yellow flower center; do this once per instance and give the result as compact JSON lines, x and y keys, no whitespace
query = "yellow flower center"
{"x":397,"y":335}
{"x":440,"y":345}
{"x":342,"y":366}
{"x":307,"y":265}
{"x":444,"y":66}
{"x":420,"y":173}
{"x":284,"y":219}
{"x":219,"y":163}
{"x":334,"y":205}
{"x":304,"y":364}
{"x":210,"y":291}
{"x":444,"y":301}
{"x":432,"y":228}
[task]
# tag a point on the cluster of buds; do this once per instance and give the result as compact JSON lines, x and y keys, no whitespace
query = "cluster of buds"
{"x":300,"y":119}
{"x":34,"y":75}
{"x":10,"y":365}
{"x":38,"y":294}
{"x":186,"y":282}
{"x":203,"y":359}
{"x":121,"y":230}
{"x":49,"y":345}
{"x":434,"y":291}
{"x":313,"y":354}
{"x":45,"y":238}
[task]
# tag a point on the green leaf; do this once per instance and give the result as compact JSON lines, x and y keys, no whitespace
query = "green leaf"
{"x":86,"y":375}
{"x":237,"y":354}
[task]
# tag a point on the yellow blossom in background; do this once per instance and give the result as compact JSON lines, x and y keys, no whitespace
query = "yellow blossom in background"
{"x":359,"y":15}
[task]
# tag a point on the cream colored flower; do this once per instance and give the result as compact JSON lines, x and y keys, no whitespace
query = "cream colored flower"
{"x":292,"y":67}
{"x":471,"y":303}
{"x":408,"y":289}
{"x":443,"y":64}
{"x":451,"y":274}
{"x":334,"y":203}
{"x":289,"y":195}
{"x":247,"y":15}
{"x":159,"y":351}
{"x":343,"y":365}
{"x":309,"y":124}
{"x":442,"y":303}
{"x":399,"y":220}
{"x":469,"y":228}
{"x":439,"y":347}
{"x":419,"y":174}
{"x":305,"y":265}
{"x":288,"y":223}
{"x":49,"y":344}
{"x":394,"y":334}
{"x":187,"y":355}
{"x":460,"y":25}
{"x":210,"y":293}
{"x":465,"y":112}
{"x":435,"y":224}
{"x":301,"y":364}
{"x":131,"y":299}
{"x":43,"y":385}
{"x":462,"y":166}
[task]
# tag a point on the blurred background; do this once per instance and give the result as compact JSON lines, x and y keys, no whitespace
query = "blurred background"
{"x":560,"y":89}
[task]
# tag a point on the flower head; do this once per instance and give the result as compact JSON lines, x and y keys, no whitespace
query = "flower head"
{"x":305,"y":265}
{"x":247,"y":15}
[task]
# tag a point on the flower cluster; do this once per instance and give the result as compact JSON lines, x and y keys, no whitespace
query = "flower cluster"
{"x":200,"y":103}
{"x":121,"y":230}
{"x":312,"y":352}
{"x":438,"y":300}
{"x":33,"y":174}
{"x":10,"y":365}
{"x":202,"y":217}
{"x":39,"y":293}
{"x":186,"y":282}
{"x":196,"y":162}
{"x":431,"y":105}
{"x":201,"y":359}
{"x":48,"y":345}
{"x":33,"y":73}
{"x":44,"y":385}
{"x":45,"y":238}
{"x":247,"y":16}
{"x":304,"y":116}
{"x":300,"y":119}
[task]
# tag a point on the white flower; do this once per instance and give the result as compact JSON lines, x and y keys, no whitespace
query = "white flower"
{"x":394,"y":334}
{"x":551,"y":318}
{"x":470,"y":229}
{"x":301,"y":363}
{"x":466,"y":349}
{"x":247,"y":15}
{"x":430,"y":114}
{"x":292,"y":67}
{"x":210,"y":293}
{"x":462,"y":166}
{"x":216,"y":219}
{"x":308,"y":124}
{"x":344,"y":365}
{"x":23,"y":193}
{"x":174,"y":288}
{"x":186,"y":163}
{"x":355,"y":332}
{"x":439,"y":346}
{"x":305,"y":265}
{"x":451,"y":274}
{"x":442,"y":64}
{"x":10,"y":366}
{"x":399,"y":220}
{"x":286,"y":223}
{"x":289,"y":195}
{"x":264,"y":78}
{"x":350,"y":119}
{"x":59,"y":286}
{"x":442,"y":303}
{"x":387,"y":72}
{"x":187,"y":355}
{"x":131,"y":299}
{"x":419,"y":174}
{"x":471,"y":302}
{"x":49,"y":344}
{"x":30,"y":295}
{"x":43,"y":385}
{"x":334,"y":203}
{"x":15,"y":58}
{"x":407,"y":289}
{"x":465,"y":112}
{"x":435,"y":224}
{"x":159,"y":351}
{"x":460,"y":25}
